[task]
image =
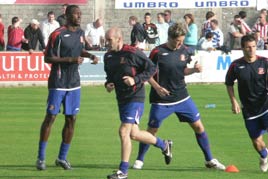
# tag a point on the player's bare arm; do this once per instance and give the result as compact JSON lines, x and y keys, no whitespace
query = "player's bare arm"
{"x":78,"y":60}
{"x":94,"y":58}
{"x":235,"y":105}
{"x":196,"y":69}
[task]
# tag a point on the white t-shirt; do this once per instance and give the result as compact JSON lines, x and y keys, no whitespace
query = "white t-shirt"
{"x":94,"y":34}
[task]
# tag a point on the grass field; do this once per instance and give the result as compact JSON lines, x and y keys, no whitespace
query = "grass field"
{"x":95,"y":150}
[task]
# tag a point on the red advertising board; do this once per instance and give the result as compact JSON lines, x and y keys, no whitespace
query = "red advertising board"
{"x":43,"y":1}
{"x":22,"y":66}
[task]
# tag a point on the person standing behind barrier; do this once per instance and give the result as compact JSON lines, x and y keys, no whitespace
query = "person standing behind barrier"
{"x":2,"y":32}
{"x":138,"y":34}
{"x":34,"y":35}
{"x":95,"y":34}
{"x":62,"y":18}
{"x":236,"y":32}
{"x":218,"y":37}
{"x":127,"y":69}
{"x":191,"y":29}
{"x":250,"y":72}
{"x":206,"y":24}
{"x":49,"y":25}
{"x":169,"y":94}
{"x":151,"y":31}
{"x":162,"y":29}
{"x":15,"y":35}
{"x":65,"y":52}
{"x":167,"y":17}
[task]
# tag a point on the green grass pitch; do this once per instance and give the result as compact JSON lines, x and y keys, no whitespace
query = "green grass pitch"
{"x":95,"y":149}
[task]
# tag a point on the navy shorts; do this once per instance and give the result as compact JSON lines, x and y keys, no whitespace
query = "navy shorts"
{"x":185,"y":110}
{"x":257,"y":126}
{"x":69,"y":99}
{"x":131,"y":112}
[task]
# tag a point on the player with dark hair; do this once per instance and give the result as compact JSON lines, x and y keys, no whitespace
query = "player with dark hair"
{"x":65,"y":52}
{"x":250,"y":71}
{"x":127,"y":68}
{"x":169,"y":94}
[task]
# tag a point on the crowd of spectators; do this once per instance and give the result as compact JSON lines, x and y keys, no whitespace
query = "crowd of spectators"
{"x":145,"y":35}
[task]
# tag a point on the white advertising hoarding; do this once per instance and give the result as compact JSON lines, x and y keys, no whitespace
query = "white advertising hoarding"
{"x":182,"y":4}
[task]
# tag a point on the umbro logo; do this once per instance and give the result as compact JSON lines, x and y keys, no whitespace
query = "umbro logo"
{"x":67,"y":35}
{"x":241,"y":67}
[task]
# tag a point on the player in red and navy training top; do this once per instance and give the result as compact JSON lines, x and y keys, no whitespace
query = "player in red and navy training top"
{"x":169,"y":94}
{"x":250,"y":71}
{"x":127,"y":68}
{"x":65,"y":52}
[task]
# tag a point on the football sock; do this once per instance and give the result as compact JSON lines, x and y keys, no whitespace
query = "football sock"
{"x":124,"y":167}
{"x":143,"y":148}
{"x":202,"y":140}
{"x":263,"y":153}
{"x":42,"y":150}
{"x":64,"y":148}
{"x":160,"y":144}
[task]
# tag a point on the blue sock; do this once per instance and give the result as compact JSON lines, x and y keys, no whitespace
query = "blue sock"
{"x":64,"y":148}
{"x":42,"y":150}
{"x":263,"y":153}
{"x":143,"y":148}
{"x":202,"y":140}
{"x":160,"y":144}
{"x":124,"y":167}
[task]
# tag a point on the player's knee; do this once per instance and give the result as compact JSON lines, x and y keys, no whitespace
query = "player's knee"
{"x":49,"y":119}
{"x":153,"y":131}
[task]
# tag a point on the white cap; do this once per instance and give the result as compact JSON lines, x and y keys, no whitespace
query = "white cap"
{"x":34,"y":21}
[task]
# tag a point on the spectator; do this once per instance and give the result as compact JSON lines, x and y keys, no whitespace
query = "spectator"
{"x":15,"y":35}
{"x":259,"y":40}
{"x":243,"y":16}
{"x":191,"y":32}
{"x":205,"y":43}
{"x":162,"y":29}
{"x":2,"y":31}
{"x":167,"y":16}
{"x":151,"y":31}
{"x":49,"y":25}
{"x":138,"y":34}
{"x":262,"y":27}
{"x":33,"y":34}
{"x":95,"y":34}
{"x":206,"y":24}
{"x":218,"y":37}
{"x":62,"y":18}
{"x":236,"y":32}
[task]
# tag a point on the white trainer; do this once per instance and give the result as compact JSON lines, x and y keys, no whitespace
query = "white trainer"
{"x":264,"y":164}
{"x":138,"y":164}
{"x":214,"y":163}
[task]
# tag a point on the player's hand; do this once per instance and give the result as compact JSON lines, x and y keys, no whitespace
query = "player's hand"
{"x":236,"y":107}
{"x":197,"y":67}
{"x":128,"y":80}
{"x":109,"y":87}
{"x":162,"y":91}
{"x":95,"y":60}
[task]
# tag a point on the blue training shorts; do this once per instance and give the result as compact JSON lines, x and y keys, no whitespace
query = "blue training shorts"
{"x":131,"y":112}
{"x":69,"y":99}
{"x":257,"y":126}
{"x":185,"y":110}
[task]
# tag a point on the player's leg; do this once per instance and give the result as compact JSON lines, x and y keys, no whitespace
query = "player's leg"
{"x":53,"y":108}
{"x":256,"y":129}
{"x":188,"y":112}
{"x":128,"y":114}
{"x":157,"y":114}
{"x":71,"y":106}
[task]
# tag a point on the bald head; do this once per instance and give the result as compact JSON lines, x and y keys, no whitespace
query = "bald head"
{"x":114,"y":38}
{"x":98,"y":23}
